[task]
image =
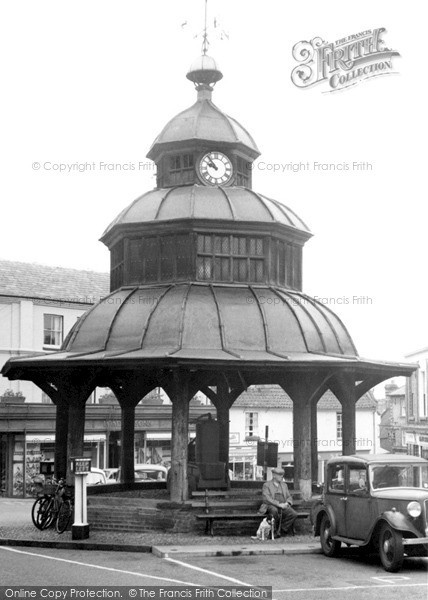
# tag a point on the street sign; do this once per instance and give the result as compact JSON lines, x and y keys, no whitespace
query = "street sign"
{"x":81,"y":466}
{"x":267,"y":454}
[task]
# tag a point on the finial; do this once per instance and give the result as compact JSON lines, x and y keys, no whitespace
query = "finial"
{"x":205,"y":42}
{"x":204,"y":71}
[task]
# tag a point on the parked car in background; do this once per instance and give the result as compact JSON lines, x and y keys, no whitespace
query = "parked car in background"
{"x":147,"y":472}
{"x":96,"y":477}
{"x":376,"y":501}
{"x":111,"y":474}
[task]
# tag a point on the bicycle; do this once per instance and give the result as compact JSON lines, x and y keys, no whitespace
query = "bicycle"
{"x":52,"y":507}
{"x":41,"y":512}
{"x":65,"y":512}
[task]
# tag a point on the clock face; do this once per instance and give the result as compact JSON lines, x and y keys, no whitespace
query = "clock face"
{"x":215,"y":168}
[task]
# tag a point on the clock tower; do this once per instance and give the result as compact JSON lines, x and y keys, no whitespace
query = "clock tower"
{"x":203,"y":145}
{"x":203,"y":222}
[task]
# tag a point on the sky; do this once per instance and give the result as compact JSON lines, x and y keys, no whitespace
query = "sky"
{"x":93,"y":83}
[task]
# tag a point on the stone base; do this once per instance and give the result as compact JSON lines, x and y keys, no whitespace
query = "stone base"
{"x":139,"y":515}
{"x":79,"y":532}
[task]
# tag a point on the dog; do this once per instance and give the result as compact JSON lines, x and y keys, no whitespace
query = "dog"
{"x":264,"y":531}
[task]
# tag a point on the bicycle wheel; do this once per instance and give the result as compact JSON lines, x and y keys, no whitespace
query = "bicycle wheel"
{"x":47,"y":516}
{"x":38,"y":511}
{"x":64,"y":516}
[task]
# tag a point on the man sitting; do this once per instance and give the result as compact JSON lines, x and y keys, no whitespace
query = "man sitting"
{"x":277,"y":502}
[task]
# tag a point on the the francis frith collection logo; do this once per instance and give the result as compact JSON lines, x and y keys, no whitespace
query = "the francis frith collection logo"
{"x":343,"y":63}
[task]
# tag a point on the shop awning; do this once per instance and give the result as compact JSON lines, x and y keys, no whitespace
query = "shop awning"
{"x":42,"y":438}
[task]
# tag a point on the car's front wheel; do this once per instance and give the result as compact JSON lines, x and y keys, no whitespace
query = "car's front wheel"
{"x":391,"y":548}
{"x":330,"y":547}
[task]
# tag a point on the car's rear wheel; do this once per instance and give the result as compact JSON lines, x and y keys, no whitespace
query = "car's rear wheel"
{"x":391,"y":548}
{"x":330,"y":547}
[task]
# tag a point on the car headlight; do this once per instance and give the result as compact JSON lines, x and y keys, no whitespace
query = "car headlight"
{"x":414,"y":509}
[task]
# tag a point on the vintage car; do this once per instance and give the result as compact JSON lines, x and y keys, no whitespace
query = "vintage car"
{"x":376,"y":501}
{"x":146,"y":473}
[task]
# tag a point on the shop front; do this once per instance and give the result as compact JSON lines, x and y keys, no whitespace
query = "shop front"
{"x":27,"y":437}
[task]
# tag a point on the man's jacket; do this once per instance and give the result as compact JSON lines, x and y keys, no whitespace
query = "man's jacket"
{"x":268,"y":495}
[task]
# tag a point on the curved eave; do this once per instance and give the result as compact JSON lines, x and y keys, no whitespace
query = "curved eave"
{"x":23,"y":367}
{"x":159,"y":148}
{"x":199,"y":204}
{"x":197,"y":224}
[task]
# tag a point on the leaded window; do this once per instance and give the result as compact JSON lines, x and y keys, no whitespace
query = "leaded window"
{"x":159,"y":258}
{"x":181,"y":169}
{"x":168,"y":256}
{"x":242,"y":172}
{"x":230,"y":258}
{"x":286,"y":264}
{"x":117,"y":258}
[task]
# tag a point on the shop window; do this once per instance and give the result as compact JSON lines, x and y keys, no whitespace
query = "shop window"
{"x":53,"y":330}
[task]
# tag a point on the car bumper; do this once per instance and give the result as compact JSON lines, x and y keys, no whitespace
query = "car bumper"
{"x":414,"y":541}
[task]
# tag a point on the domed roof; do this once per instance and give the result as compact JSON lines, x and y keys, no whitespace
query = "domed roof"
{"x":238,"y":204}
{"x":199,"y":321}
{"x":204,"y":121}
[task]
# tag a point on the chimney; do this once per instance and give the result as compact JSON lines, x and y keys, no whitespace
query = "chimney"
{"x":390,"y":387}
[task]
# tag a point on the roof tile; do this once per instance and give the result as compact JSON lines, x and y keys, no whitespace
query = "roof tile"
{"x":266,"y":396}
{"x":32,"y":280}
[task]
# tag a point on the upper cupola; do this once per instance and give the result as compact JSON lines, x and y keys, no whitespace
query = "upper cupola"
{"x":202,"y":144}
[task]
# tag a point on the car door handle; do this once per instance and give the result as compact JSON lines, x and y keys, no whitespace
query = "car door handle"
{"x":344,"y":498}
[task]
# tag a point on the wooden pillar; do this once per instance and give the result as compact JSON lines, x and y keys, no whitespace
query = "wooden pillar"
{"x":76,"y":431}
{"x":348,"y":423}
{"x":223,"y":422}
{"x":302,"y":424}
{"x":180,"y":433}
{"x":223,"y":399}
{"x":314,"y":441}
{"x":61,"y":439}
{"x":129,"y":388}
{"x":304,"y":389}
{"x":127,"y":443}
{"x":343,"y":387}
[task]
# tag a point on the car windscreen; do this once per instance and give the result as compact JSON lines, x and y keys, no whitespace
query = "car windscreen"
{"x":396,"y":475}
{"x":150,"y":475}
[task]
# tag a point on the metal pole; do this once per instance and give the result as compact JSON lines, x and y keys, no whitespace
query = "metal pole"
{"x":265,"y":453}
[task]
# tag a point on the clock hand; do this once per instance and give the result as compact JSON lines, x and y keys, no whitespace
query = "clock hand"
{"x":211,"y":164}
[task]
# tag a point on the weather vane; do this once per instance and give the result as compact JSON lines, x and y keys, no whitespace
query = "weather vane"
{"x":215,"y":27}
